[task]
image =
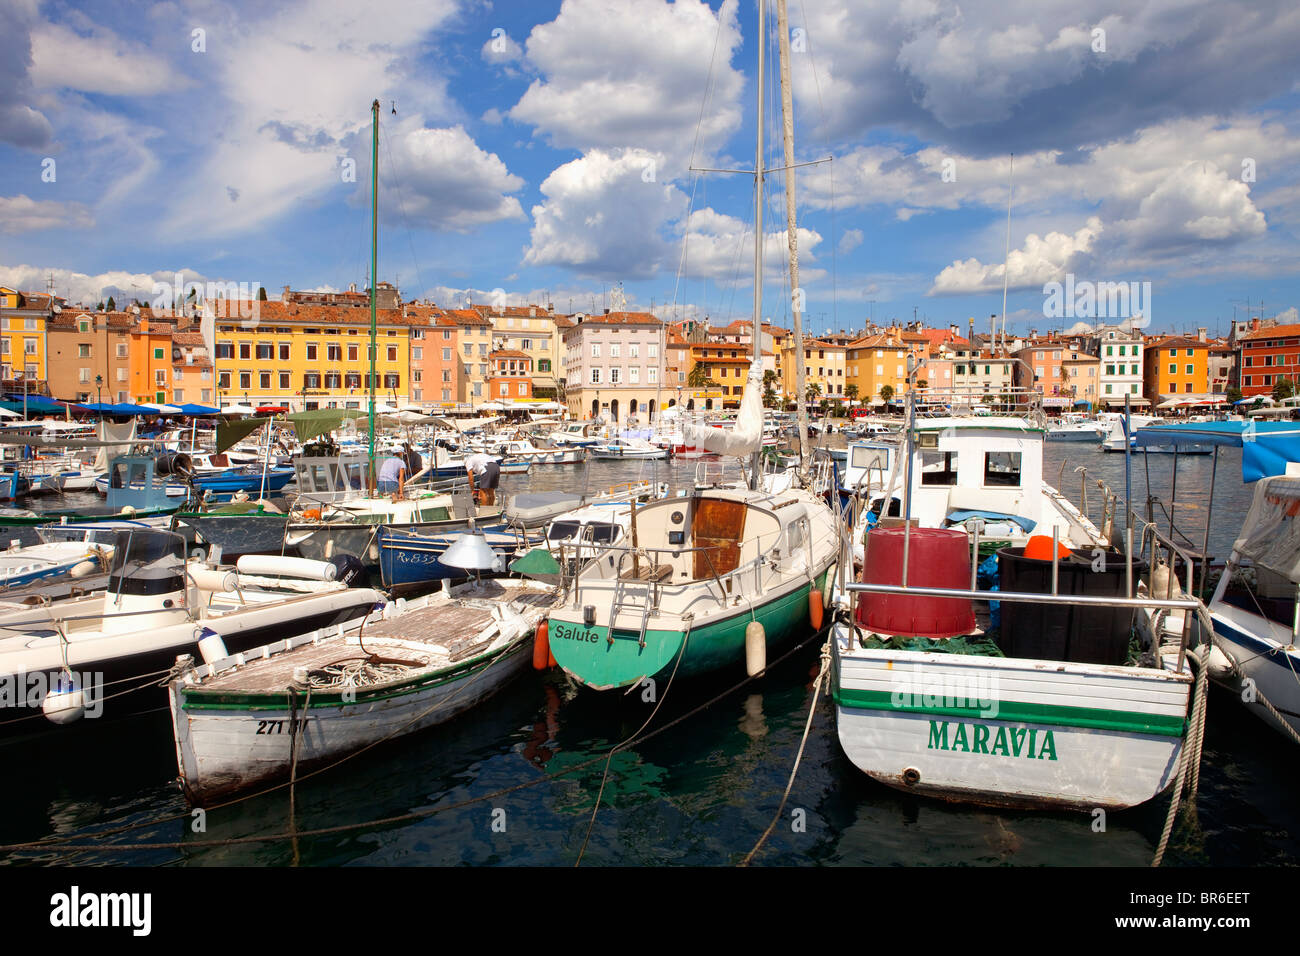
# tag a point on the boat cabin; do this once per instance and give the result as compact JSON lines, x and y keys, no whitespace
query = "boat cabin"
{"x":330,"y":478}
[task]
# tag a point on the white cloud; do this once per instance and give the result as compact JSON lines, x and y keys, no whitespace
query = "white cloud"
{"x":444,"y":181}
{"x":279,"y":121}
{"x":603,"y":216}
{"x":1194,"y":205}
{"x":1042,"y":259}
{"x":851,"y":239}
{"x":721,"y":247}
{"x":24,"y":214}
{"x":79,"y":287}
{"x":99,"y":63}
{"x":633,"y":73}
{"x":501,"y":49}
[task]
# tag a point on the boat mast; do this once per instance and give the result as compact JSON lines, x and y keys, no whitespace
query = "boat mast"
{"x":374,"y":263}
{"x":787,"y":137}
{"x":756,"y":458}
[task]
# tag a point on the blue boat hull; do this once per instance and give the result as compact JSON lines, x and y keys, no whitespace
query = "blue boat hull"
{"x":407,"y":559}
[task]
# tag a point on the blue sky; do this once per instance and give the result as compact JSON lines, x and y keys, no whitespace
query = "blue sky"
{"x":545,"y":149}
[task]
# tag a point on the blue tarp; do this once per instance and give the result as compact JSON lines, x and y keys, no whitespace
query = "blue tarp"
{"x":35,"y":403}
{"x":191,"y":409}
{"x":122,"y":408}
{"x":1266,"y":447}
{"x":959,"y":516}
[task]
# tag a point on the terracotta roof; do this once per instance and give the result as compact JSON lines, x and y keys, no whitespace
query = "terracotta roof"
{"x":1276,"y":332}
{"x":1181,"y":342}
{"x":324,"y":315}
{"x":188,"y":338}
{"x":622,"y":318}
{"x":508,"y":353}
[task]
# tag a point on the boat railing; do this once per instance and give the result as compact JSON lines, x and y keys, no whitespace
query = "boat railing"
{"x":1016,"y":401}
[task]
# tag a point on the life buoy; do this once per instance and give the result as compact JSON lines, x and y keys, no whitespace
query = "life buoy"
{"x":542,"y":658}
{"x":815,"y":609}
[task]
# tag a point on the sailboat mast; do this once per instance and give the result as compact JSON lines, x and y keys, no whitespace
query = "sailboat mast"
{"x":792,"y":236}
{"x":374,"y":265}
{"x":757,"y":337}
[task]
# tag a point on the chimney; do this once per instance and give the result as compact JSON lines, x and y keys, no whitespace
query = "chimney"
{"x":1201,"y":334}
{"x":1254,"y":325}
{"x":352,"y":287}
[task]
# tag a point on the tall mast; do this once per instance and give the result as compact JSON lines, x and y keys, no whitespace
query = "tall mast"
{"x":1006,"y":262}
{"x":756,"y":459}
{"x":792,"y":236}
{"x":374,"y":265}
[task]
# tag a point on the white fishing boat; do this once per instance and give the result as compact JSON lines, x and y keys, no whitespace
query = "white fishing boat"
{"x":1072,"y":426}
{"x":576,"y":434}
{"x":75,"y":653}
{"x":289,"y":707}
{"x":1057,"y":704}
{"x":76,"y":550}
{"x":626,"y":448}
{"x":513,"y":450}
{"x":1118,"y":438}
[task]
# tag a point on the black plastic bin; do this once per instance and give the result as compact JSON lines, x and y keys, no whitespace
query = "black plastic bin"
{"x":1066,"y":632}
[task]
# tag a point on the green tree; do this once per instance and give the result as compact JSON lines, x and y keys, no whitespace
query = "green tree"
{"x":886,"y":393}
{"x":922,"y":383}
{"x":698,"y":377}
{"x":851,"y":392}
{"x":100,"y":307}
{"x":1234,"y":395}
{"x":112,"y":306}
{"x":1283,"y":388}
{"x":812,"y":391}
{"x":261,"y":293}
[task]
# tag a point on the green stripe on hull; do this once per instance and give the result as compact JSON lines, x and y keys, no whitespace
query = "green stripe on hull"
{"x":198,"y":699}
{"x":1120,"y":721}
{"x":586,"y":653}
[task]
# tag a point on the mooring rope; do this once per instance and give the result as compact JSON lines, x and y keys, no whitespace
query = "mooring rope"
{"x":58,"y":843}
{"x":681,"y":651}
{"x":794,"y":771}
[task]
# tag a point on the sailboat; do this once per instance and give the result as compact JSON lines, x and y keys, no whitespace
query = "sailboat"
{"x":710,"y":581}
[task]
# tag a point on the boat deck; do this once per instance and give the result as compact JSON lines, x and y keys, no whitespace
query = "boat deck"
{"x":427,"y":637}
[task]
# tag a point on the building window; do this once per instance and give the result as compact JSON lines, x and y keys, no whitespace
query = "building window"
{"x":613,"y":376}
{"x":83,"y":351}
{"x":245,"y":379}
{"x":225,"y":350}
{"x":392,"y":353}
{"x":284,"y":382}
{"x":334,"y":353}
{"x":595,"y":376}
{"x":284,"y":351}
{"x":311,"y":380}
{"x":595,"y":350}
{"x":245,"y":351}
{"x":264,"y":380}
{"x":354,"y":353}
{"x":312,"y":352}
{"x":264,"y":351}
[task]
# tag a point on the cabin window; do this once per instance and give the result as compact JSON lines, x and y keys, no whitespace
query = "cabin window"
{"x":938,"y":468}
{"x":1002,"y":469}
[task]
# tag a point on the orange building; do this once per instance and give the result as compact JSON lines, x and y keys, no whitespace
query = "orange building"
{"x":511,"y":375}
{"x":151,"y":361}
{"x":1176,"y":366}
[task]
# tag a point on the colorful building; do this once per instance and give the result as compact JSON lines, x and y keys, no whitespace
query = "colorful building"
{"x":89,"y":355}
{"x":510,"y":374}
{"x":1176,"y":367}
{"x":1268,"y":353}
{"x":614,"y":364}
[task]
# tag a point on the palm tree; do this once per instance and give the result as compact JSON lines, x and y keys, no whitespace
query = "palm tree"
{"x":886,"y":393}
{"x":813,"y":390}
{"x":851,"y":392}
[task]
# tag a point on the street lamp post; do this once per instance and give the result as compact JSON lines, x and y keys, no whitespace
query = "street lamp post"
{"x":99,"y":394}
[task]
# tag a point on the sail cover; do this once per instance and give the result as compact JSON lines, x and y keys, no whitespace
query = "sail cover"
{"x":1271,"y":536}
{"x":747,"y":437}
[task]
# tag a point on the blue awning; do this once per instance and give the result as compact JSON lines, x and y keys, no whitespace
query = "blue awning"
{"x":191,"y":409}
{"x":1266,"y":447}
{"x":122,"y":408}
{"x":1026,"y":524}
{"x":34,"y":403}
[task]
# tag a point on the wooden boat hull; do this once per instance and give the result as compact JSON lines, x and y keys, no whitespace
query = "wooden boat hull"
{"x":1007,"y":732}
{"x":715,"y":642}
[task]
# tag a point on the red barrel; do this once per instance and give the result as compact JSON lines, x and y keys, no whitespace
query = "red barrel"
{"x":938,"y":558}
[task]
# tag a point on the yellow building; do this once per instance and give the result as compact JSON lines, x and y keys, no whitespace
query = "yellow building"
{"x":312,"y":356}
{"x":532,"y":330}
{"x":824,"y":368}
{"x":874,"y":363}
{"x":23,"y":350}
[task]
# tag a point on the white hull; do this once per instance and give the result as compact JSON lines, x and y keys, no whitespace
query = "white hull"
{"x":226,"y":747}
{"x":1039,"y":734}
{"x":1263,"y":655}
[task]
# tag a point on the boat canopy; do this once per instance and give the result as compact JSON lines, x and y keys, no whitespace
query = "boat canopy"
{"x":1266,"y":447}
{"x":1270,"y":536}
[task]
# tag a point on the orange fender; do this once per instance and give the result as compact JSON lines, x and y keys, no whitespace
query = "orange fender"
{"x":815,"y":609}
{"x":311,"y":514}
{"x":542,"y":658}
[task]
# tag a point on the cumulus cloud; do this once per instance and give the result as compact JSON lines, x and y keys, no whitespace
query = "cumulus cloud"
{"x":1041,"y":259}
{"x":89,"y":290}
{"x":603,"y":216}
{"x":851,"y":239}
{"x":23,"y":214}
{"x":501,"y":49}
{"x":21,"y":124}
{"x":441,"y":179}
{"x":633,"y":73}
{"x":721,"y":247}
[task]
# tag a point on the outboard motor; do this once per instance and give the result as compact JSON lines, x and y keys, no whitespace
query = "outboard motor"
{"x":350,"y":570}
{"x":174,"y":463}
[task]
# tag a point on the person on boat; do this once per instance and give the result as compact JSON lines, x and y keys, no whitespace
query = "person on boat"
{"x":414,"y":463}
{"x":484,"y":473}
{"x":392,"y":476}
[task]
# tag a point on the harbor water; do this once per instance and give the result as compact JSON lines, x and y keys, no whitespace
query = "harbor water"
{"x":515,"y":781}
